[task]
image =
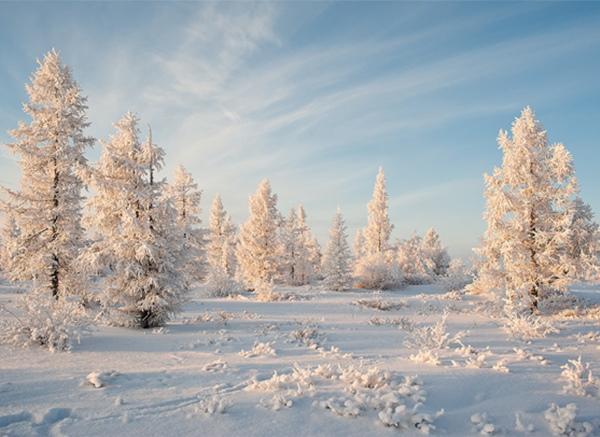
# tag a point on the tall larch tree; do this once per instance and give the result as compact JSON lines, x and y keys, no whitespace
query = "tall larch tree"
{"x":311,"y":247}
{"x":375,"y":267}
{"x":524,"y":255}
{"x":136,"y":232}
{"x":221,"y":239}
{"x":47,"y":207}
{"x":378,"y":230}
{"x":584,"y":242}
{"x":289,"y":246}
{"x":258,"y":239}
{"x":296,"y":267}
{"x":359,"y":244}
{"x":185,"y":195}
{"x":9,"y":240}
{"x":337,"y":258}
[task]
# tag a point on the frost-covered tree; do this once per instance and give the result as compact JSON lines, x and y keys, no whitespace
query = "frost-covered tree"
{"x":185,"y":196}
{"x":289,"y":248}
{"x":422,"y":260}
{"x":294,"y":261}
{"x":9,"y":243}
{"x":47,"y":207}
{"x":310,"y":244}
{"x":337,"y":259}
{"x":433,"y":249}
{"x":416,"y":265}
{"x":258,"y":239}
{"x":221,"y":247}
{"x":374,"y":268}
{"x":378,"y":230}
{"x":221,"y":239}
{"x":359,"y":244}
{"x":137,"y":235}
{"x":584,"y":242}
{"x":525,"y":251}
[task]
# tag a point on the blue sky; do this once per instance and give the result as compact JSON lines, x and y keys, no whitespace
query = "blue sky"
{"x":316,"y":96}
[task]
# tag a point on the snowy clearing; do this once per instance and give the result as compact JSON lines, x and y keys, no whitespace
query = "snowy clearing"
{"x":324,"y":365}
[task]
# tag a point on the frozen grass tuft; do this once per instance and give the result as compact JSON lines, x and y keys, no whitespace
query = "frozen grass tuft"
{"x":561,"y":421}
{"x":578,"y":378}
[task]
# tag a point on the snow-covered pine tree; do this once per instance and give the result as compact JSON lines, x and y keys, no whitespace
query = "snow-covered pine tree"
{"x":289,"y":245}
{"x":295,"y":263}
{"x":136,"y":231}
{"x":433,"y":249}
{"x":417,"y":266}
{"x":378,"y":230}
{"x":584,"y":242}
{"x":221,"y":247}
{"x":258,"y":239}
{"x":185,"y":196}
{"x":221,"y":239}
{"x":524,"y":255}
{"x":9,"y":243}
{"x":229,"y":253}
{"x":311,"y":247}
{"x":47,"y":207}
{"x":359,"y":244}
{"x":337,"y":258}
{"x":375,"y":267}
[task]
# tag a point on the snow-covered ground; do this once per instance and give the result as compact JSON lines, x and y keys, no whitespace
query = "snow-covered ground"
{"x":323,"y":364}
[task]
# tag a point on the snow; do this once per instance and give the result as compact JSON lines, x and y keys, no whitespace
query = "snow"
{"x":320,"y":365}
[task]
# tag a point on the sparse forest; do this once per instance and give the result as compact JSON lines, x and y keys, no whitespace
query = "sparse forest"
{"x":226,"y":325}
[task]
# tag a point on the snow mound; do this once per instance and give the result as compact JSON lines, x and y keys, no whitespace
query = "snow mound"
{"x":100,"y":379}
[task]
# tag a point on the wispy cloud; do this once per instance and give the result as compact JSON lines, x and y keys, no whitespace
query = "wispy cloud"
{"x":241,"y":91}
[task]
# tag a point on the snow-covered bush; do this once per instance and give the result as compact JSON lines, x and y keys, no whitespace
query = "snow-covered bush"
{"x":561,"y":421}
{"x":527,"y":327}
{"x":482,"y":424}
{"x":308,"y":336}
{"x":212,"y":405}
{"x":426,"y":356}
{"x":44,"y":321}
{"x":371,"y":377}
{"x":375,"y":272}
{"x":295,"y":383}
{"x":478,"y":359}
{"x":259,"y":350}
{"x":415,"y":265}
{"x":501,"y":366}
{"x":432,"y":337}
{"x":220,"y":284}
{"x":265,"y":292}
{"x":408,"y":419}
{"x":379,"y":304}
{"x":457,"y":277}
{"x":579,"y":380}
{"x":342,"y":406}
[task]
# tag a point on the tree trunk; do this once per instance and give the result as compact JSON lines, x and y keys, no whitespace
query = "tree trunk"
{"x":54,"y":271}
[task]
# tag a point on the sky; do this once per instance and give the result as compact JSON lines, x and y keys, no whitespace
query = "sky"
{"x":317,"y":96}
